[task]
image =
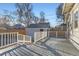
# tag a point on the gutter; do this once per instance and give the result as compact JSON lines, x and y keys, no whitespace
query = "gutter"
{"x":63,"y":8}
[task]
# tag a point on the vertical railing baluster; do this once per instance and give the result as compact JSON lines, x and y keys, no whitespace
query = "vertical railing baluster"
{"x":4,"y":39}
{"x":17,"y":37}
{"x":10,"y":38}
{"x":13,"y":37}
{"x":0,"y":40}
{"x":7,"y":38}
{"x":56,"y":34}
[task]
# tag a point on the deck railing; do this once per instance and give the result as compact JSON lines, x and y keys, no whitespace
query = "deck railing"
{"x":39,"y":35}
{"x":24,"y":38}
{"x":10,"y":38}
{"x":7,"y":39}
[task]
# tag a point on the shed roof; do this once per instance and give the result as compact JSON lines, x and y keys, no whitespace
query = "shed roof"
{"x":39,"y":25}
{"x":18,"y":26}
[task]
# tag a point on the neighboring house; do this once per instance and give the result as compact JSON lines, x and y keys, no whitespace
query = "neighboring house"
{"x":18,"y":26}
{"x":71,"y":18}
{"x":39,"y":27}
{"x":4,"y":26}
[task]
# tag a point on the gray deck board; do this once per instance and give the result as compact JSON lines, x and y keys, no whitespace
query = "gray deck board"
{"x":50,"y":47}
{"x":16,"y":53}
{"x":12,"y":53}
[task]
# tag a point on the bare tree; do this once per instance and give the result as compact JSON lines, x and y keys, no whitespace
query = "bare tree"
{"x":36,"y":19}
{"x":59,"y":13}
{"x":24,"y":11}
{"x":42,"y":15}
{"x":7,"y":17}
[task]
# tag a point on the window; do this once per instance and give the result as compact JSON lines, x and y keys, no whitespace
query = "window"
{"x":76,"y":15}
{"x":76,"y":23}
{"x":76,"y":19}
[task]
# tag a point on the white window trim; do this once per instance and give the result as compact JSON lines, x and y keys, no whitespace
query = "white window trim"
{"x":75,"y":29}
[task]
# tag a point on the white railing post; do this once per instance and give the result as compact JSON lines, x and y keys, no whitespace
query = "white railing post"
{"x":23,"y":39}
{"x":14,"y":37}
{"x":17,"y":37}
{"x":1,"y":39}
{"x":56,"y":34}
{"x":7,"y":38}
{"x":30,"y":39}
{"x":34,"y":37}
{"x":10,"y":38}
{"x":4,"y":39}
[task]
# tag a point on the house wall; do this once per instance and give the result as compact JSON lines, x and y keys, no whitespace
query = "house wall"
{"x":74,"y":32}
{"x":30,"y":31}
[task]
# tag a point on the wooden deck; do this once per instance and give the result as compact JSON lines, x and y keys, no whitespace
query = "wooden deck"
{"x":45,"y":47}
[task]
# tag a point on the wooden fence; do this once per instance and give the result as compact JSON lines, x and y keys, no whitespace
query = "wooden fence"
{"x":57,"y":34}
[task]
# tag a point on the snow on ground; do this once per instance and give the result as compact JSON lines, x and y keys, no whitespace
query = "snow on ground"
{"x":45,"y":47}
